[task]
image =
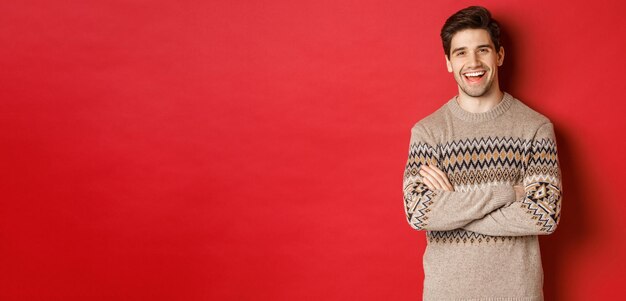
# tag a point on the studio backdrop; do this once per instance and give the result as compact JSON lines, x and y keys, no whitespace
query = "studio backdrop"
{"x":254,"y":150}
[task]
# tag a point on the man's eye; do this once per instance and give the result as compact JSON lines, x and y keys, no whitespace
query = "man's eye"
{"x":460,"y":53}
{"x":483,"y":50}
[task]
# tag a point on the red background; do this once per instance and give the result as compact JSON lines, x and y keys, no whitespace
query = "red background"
{"x":231,"y":150}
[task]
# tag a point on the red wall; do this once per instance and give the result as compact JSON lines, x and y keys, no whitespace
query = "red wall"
{"x":224,"y":150}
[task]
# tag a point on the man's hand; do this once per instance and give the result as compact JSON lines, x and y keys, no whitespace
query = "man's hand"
{"x":519,"y":192}
{"x":434,"y":178}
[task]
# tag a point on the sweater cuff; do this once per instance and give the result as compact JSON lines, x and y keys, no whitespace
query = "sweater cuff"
{"x":503,"y":195}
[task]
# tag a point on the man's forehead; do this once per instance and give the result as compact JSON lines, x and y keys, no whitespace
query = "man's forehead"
{"x":470,"y":38}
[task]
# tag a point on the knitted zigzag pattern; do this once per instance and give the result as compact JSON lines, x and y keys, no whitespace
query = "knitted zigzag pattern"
{"x":475,"y":162}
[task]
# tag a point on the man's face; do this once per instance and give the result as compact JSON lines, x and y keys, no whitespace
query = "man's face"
{"x":474,"y":62}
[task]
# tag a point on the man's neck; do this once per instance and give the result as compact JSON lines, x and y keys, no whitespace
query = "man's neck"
{"x":479,"y":104}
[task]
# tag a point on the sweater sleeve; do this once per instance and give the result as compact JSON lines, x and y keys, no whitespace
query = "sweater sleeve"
{"x":441,"y":210}
{"x":539,"y":211}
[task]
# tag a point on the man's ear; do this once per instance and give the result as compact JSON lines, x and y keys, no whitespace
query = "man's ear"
{"x":448,"y":64}
{"x":501,"y":56}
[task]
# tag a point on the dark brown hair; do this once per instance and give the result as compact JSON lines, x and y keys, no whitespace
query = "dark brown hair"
{"x":473,"y":17}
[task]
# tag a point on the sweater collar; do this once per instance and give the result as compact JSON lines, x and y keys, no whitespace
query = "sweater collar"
{"x":494,"y":112}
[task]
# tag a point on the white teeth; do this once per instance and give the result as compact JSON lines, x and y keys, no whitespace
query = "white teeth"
{"x":479,"y":73}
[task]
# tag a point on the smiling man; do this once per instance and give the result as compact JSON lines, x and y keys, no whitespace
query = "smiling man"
{"x":482,"y":177}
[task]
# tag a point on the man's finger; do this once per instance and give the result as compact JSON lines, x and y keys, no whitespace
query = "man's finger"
{"x":428,"y":183}
{"x":436,"y":177}
{"x":443,"y":175}
{"x":429,"y":179}
{"x":519,"y":191}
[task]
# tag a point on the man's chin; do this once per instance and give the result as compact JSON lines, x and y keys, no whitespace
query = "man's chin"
{"x":475,"y":92}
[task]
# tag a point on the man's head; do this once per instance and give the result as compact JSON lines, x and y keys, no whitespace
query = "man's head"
{"x":473,"y":17}
{"x":471,"y":40}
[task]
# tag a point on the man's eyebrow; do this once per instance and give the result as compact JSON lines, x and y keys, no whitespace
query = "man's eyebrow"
{"x":484,"y":45}
{"x":458,"y":49}
{"x":464,"y":48}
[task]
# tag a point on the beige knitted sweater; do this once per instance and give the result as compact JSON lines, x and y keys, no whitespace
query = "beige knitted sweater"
{"x":482,"y":242}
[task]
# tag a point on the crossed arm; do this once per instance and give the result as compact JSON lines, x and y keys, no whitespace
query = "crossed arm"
{"x":431,"y":203}
{"x":436,"y":179}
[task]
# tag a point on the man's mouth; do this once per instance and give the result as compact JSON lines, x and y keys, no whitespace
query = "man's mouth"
{"x":474,"y":76}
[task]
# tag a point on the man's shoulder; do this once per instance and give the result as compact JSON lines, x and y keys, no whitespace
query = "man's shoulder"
{"x":432,"y":120}
{"x":527,"y":115}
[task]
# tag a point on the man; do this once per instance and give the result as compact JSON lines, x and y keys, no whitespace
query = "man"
{"x":482,"y":177}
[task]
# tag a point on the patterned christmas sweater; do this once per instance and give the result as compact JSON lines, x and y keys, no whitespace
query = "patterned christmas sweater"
{"x":481,"y":241}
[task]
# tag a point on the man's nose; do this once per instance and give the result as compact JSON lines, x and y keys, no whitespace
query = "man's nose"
{"x":473,"y":60}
